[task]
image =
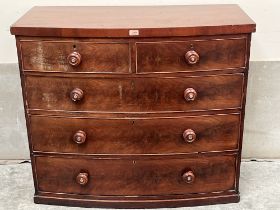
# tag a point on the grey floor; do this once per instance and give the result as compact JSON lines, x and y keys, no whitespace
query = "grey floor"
{"x":259,"y":188}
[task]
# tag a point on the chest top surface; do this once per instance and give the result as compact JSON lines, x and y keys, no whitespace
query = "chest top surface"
{"x":133,"y":21}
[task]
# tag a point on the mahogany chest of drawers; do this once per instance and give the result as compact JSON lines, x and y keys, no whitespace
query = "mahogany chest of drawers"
{"x":134,"y":107}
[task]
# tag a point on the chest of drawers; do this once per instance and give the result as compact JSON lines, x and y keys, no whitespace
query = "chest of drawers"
{"x":134,"y":107}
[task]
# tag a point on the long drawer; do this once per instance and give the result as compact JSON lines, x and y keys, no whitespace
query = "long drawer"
{"x":135,"y":94}
{"x":134,"y":177}
{"x":135,"y":136}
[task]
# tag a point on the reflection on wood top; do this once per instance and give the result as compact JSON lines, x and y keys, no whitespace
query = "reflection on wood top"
{"x":133,"y":21}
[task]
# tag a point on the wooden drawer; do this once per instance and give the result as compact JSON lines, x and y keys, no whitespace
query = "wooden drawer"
{"x":134,"y":177}
{"x":135,"y":136}
{"x":56,"y":56}
{"x":134,"y":94}
{"x":176,"y":56}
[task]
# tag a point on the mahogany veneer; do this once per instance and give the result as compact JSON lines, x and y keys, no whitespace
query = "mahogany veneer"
{"x":138,"y":94}
{"x":130,"y":177}
{"x":95,"y":56}
{"x":135,"y":135}
{"x":135,"y":107}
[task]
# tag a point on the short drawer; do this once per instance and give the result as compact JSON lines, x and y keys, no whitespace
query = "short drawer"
{"x":135,"y":94}
{"x":133,"y":177}
{"x":193,"y":55}
{"x":135,"y":136}
{"x":75,"y":56}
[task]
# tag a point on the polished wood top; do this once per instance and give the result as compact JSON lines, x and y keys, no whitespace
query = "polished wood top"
{"x":150,"y":21}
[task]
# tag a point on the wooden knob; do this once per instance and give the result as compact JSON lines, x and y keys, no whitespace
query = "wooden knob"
{"x":188,"y":177}
{"x":76,"y":94}
{"x":190,"y":94}
{"x":192,"y":57}
{"x":189,"y":136}
{"x":74,"y":58}
{"x":82,"y":178}
{"x":79,"y":137}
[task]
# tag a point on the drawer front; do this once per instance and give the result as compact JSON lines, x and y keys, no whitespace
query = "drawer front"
{"x":194,"y":55}
{"x":135,"y":177}
{"x":134,"y":94}
{"x":58,"y":56}
{"x":135,"y":136}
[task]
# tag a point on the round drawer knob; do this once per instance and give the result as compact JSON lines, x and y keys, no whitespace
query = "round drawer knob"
{"x":79,"y":137}
{"x":190,"y":94}
{"x":82,"y":178}
{"x":74,"y":58}
{"x":188,"y":177}
{"x":192,"y":57}
{"x":189,"y":136}
{"x":76,"y":94}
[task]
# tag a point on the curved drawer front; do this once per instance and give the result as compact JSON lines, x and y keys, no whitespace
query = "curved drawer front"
{"x":75,"y":56}
{"x":134,"y":94}
{"x":135,"y":177}
{"x":194,"y":55}
{"x":135,"y":136}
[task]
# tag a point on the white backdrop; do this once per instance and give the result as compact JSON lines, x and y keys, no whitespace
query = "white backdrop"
{"x":265,"y":45}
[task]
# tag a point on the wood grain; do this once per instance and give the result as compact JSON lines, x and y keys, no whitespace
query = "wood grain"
{"x":135,"y":177}
{"x":135,"y":94}
{"x":95,"y":56}
{"x":169,"y":56}
{"x":110,"y":91}
{"x":135,"y":136}
{"x":157,"y":21}
{"x":146,"y":203}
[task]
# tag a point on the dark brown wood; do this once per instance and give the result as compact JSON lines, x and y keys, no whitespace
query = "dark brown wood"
{"x":76,"y":94}
{"x":188,"y":177}
{"x":82,"y":178}
{"x":135,"y":94}
{"x":189,"y":136}
{"x":157,"y":21}
{"x":191,"y":200}
{"x":79,"y":137}
{"x":190,"y":94}
{"x":243,"y":114}
{"x":134,"y":135}
{"x":54,"y":56}
{"x":111,"y":115}
{"x":192,"y":57}
{"x":170,"y":56}
{"x":74,"y":58}
{"x":153,"y":118}
{"x":136,"y":177}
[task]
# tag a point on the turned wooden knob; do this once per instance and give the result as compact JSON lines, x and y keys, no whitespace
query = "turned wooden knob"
{"x":189,"y":136}
{"x":82,"y":178}
{"x":76,"y":94}
{"x":188,"y":177}
{"x":74,"y":58}
{"x":192,"y":57}
{"x":79,"y":137}
{"x":190,"y":94}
